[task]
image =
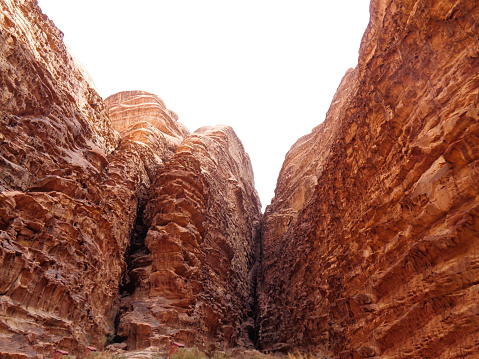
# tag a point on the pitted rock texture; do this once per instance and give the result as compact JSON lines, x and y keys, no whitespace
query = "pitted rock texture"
{"x":369,"y":248}
{"x":79,"y":221}
{"x":194,"y":281}
{"x":69,"y":193}
{"x":154,"y":134}
{"x":299,"y":173}
{"x":142,"y":109}
{"x":379,"y":257}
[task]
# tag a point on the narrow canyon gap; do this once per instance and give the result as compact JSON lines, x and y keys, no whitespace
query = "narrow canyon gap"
{"x":119,"y":225}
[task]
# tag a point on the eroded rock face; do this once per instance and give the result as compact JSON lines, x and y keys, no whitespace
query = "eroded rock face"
{"x":193,"y":281}
{"x":368,"y":248}
{"x":374,"y":253}
{"x":140,"y":109}
{"x":72,"y":208}
{"x":70,"y":192}
{"x":144,"y":123}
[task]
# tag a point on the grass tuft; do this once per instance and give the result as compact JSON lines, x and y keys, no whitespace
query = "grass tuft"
{"x":192,"y":353}
{"x":103,"y":355}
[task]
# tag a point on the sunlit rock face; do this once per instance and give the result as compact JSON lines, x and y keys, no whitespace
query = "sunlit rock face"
{"x":57,"y":211}
{"x":70,"y":192}
{"x":192,"y":279}
{"x":102,"y":199}
{"x":116,"y":222}
{"x":147,"y":129}
{"x":140,"y":109}
{"x":372,"y":252}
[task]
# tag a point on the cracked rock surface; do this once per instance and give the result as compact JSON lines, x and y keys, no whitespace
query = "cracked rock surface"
{"x":101,"y":197}
{"x":119,"y":225}
{"x":370,"y":244}
{"x":192,"y":280}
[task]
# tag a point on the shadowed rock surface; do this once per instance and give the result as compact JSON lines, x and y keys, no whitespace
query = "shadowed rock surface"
{"x":116,"y":222}
{"x":370,"y":244}
{"x":57,"y":209}
{"x":193,"y":280}
{"x":74,"y":231}
{"x":70,"y":192}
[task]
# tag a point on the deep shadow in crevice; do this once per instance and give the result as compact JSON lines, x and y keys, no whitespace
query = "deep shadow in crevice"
{"x":137,"y":254}
{"x":254,"y":333}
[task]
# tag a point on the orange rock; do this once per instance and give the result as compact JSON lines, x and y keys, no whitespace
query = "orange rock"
{"x":368,"y":248}
{"x":203,"y":217}
{"x":70,"y":191}
{"x":369,"y":244}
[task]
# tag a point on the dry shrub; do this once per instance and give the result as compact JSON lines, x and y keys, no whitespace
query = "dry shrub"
{"x":191,"y":353}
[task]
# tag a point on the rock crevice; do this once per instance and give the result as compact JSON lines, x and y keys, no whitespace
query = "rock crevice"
{"x":201,"y":216}
{"x":116,"y":223}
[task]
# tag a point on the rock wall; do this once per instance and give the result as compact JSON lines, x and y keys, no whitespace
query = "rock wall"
{"x":120,"y":222}
{"x":373,"y":251}
{"x":70,"y":192}
{"x":55,"y":226}
{"x":101,"y":197}
{"x":193,"y":280}
{"x":131,"y":109}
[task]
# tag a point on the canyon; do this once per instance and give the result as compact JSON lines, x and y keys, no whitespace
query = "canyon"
{"x":120,"y":228}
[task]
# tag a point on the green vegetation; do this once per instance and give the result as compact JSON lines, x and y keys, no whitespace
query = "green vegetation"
{"x":109,"y":338}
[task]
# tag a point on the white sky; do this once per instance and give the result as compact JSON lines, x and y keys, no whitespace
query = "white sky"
{"x":268,"y":68}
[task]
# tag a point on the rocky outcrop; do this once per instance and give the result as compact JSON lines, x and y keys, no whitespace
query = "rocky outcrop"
{"x":70,"y":192}
{"x":145,"y":112}
{"x":299,"y":175}
{"x":120,"y":222}
{"x":193,"y":280}
{"x":55,"y":226}
{"x":372,"y":251}
{"x":100,"y":197}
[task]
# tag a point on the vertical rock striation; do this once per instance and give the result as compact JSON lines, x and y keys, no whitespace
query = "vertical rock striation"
{"x":368,"y":249}
{"x":70,"y":191}
{"x":101,"y":197}
{"x":194,"y":282}
{"x":56,"y":225}
{"x":374,"y":252}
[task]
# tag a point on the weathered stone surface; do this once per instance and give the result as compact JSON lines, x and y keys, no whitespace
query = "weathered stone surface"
{"x":193,"y":280}
{"x":72,"y":208}
{"x":369,"y":246}
{"x":142,"y":109}
{"x":299,"y":173}
{"x":154,"y":136}
{"x":374,"y":253}
{"x":69,"y":192}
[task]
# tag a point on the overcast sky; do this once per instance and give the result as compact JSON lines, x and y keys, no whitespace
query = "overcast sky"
{"x":268,"y":68}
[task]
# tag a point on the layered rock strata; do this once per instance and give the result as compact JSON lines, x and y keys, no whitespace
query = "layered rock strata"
{"x":80,"y":219}
{"x":193,"y":281}
{"x":70,"y":189}
{"x":55,"y":228}
{"x":374,"y":252}
{"x":139,"y":109}
{"x":368,"y":248}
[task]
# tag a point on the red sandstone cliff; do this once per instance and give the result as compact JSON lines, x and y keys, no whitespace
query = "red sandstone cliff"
{"x":146,"y":112}
{"x":192,"y":281}
{"x":372,"y":253}
{"x":368,"y":248}
{"x":69,"y":192}
{"x":96,"y":202}
{"x":56,"y":222}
